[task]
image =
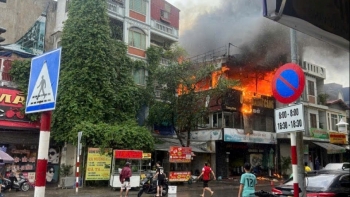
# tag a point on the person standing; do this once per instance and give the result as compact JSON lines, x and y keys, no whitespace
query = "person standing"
{"x":161,"y":176}
{"x":124,"y":178}
{"x":247,"y":183}
{"x":206,"y":170}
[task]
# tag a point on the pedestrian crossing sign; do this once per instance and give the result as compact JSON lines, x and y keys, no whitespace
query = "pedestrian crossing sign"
{"x":43,"y":82}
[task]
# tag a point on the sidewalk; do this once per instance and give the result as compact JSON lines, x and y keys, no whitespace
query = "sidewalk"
{"x":108,"y":192}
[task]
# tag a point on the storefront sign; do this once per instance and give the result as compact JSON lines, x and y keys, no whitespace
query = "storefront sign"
{"x":11,"y":102}
{"x":206,"y":135}
{"x":238,"y":135}
{"x":337,"y":138}
{"x":146,"y":155}
{"x":319,"y":133}
{"x":128,"y":154}
{"x":179,"y":176}
{"x":179,"y":154}
{"x":98,"y":165}
{"x":231,"y":102}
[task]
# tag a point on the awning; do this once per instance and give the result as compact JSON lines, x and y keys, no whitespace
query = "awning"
{"x":197,"y":147}
{"x":331,"y":148}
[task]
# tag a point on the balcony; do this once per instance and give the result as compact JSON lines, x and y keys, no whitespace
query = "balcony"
{"x":314,"y":70}
{"x":115,"y":8}
{"x":162,"y":28}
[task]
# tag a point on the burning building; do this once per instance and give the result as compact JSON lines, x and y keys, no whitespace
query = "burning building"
{"x":244,"y":116}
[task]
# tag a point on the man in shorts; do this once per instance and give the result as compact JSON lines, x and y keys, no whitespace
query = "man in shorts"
{"x":124,"y":178}
{"x":206,"y":178}
{"x":160,"y":179}
{"x":247,"y":183}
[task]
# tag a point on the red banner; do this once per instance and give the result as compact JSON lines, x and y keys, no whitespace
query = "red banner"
{"x":128,"y":154}
{"x":179,"y":176}
{"x":11,"y":102}
{"x":178,"y":154}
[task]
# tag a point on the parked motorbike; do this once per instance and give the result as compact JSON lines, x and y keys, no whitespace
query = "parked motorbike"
{"x":13,"y":183}
{"x":149,"y":186}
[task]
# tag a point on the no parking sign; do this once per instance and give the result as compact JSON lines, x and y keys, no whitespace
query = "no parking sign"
{"x":288,"y":83}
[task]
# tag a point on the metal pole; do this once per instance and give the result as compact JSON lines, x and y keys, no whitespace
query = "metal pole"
{"x":293,"y":150}
{"x":78,"y":162}
{"x":44,"y":141}
{"x":298,"y":135}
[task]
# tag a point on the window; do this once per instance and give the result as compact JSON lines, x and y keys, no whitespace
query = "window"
{"x":164,"y":14}
{"x":334,"y":121}
{"x":313,"y":121}
{"x":67,"y":5}
{"x":137,"y":38}
{"x":139,"y":76}
{"x":138,"y":6}
{"x":3,"y":1}
{"x":259,"y":122}
{"x":311,"y":88}
{"x":204,"y":122}
{"x":228,"y":120}
{"x":217,"y":120}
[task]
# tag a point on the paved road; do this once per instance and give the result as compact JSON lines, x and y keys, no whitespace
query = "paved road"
{"x":221,"y":189}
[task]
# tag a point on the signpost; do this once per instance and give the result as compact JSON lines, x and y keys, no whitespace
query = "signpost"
{"x":289,"y":119}
{"x":287,"y":85}
{"x":42,"y":93}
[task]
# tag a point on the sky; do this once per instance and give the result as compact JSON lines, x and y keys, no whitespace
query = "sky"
{"x":206,"y":25}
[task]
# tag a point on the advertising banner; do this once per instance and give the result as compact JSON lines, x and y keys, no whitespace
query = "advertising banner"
{"x":238,"y":135}
{"x":319,"y":133}
{"x":179,"y":176}
{"x":98,"y":165}
{"x":178,"y":154}
{"x":128,"y":154}
{"x":337,"y":138}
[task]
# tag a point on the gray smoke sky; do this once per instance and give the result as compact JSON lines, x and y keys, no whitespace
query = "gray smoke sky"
{"x":205,"y":26}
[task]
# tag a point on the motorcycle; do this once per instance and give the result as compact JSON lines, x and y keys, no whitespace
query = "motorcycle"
{"x":149,"y":186}
{"x":13,"y":183}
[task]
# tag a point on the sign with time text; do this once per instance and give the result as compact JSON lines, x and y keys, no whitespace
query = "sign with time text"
{"x":289,"y":119}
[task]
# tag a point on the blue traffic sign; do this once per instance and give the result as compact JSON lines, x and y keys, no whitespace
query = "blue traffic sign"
{"x":43,"y":82}
{"x":288,"y":83}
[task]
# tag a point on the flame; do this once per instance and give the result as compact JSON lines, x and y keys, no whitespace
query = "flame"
{"x":254,"y":83}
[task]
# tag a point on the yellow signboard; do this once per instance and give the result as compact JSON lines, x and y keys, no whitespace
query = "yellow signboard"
{"x":146,"y":155}
{"x":337,"y":138}
{"x":98,"y":165}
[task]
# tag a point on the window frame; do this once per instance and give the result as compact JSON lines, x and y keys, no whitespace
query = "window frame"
{"x":131,"y":42}
{"x":333,"y":122}
{"x":140,"y":74}
{"x":143,"y":7}
{"x":313,"y":120}
{"x":311,"y":88}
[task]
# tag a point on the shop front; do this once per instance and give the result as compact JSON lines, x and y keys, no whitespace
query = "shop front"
{"x":19,"y":136}
{"x":238,"y":147}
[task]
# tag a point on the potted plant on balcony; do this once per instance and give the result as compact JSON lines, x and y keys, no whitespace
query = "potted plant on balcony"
{"x":322,"y":98}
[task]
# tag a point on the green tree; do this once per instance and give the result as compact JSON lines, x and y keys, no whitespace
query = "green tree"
{"x":182,"y":105}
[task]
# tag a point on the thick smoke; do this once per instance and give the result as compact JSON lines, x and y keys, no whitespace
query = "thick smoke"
{"x":259,"y":40}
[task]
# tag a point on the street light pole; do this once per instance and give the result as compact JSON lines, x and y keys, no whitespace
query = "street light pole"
{"x":298,"y":136}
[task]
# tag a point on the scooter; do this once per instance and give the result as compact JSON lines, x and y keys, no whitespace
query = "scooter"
{"x":149,"y":186}
{"x":13,"y":183}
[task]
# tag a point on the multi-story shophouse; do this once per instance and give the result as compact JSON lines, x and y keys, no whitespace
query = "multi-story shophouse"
{"x":320,"y":118}
{"x":139,"y":24}
{"x":34,"y":27}
{"x":339,"y":96}
{"x":27,"y":25}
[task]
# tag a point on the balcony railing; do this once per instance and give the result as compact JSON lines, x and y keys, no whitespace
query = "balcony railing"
{"x":165,"y":29}
{"x":115,"y":8}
